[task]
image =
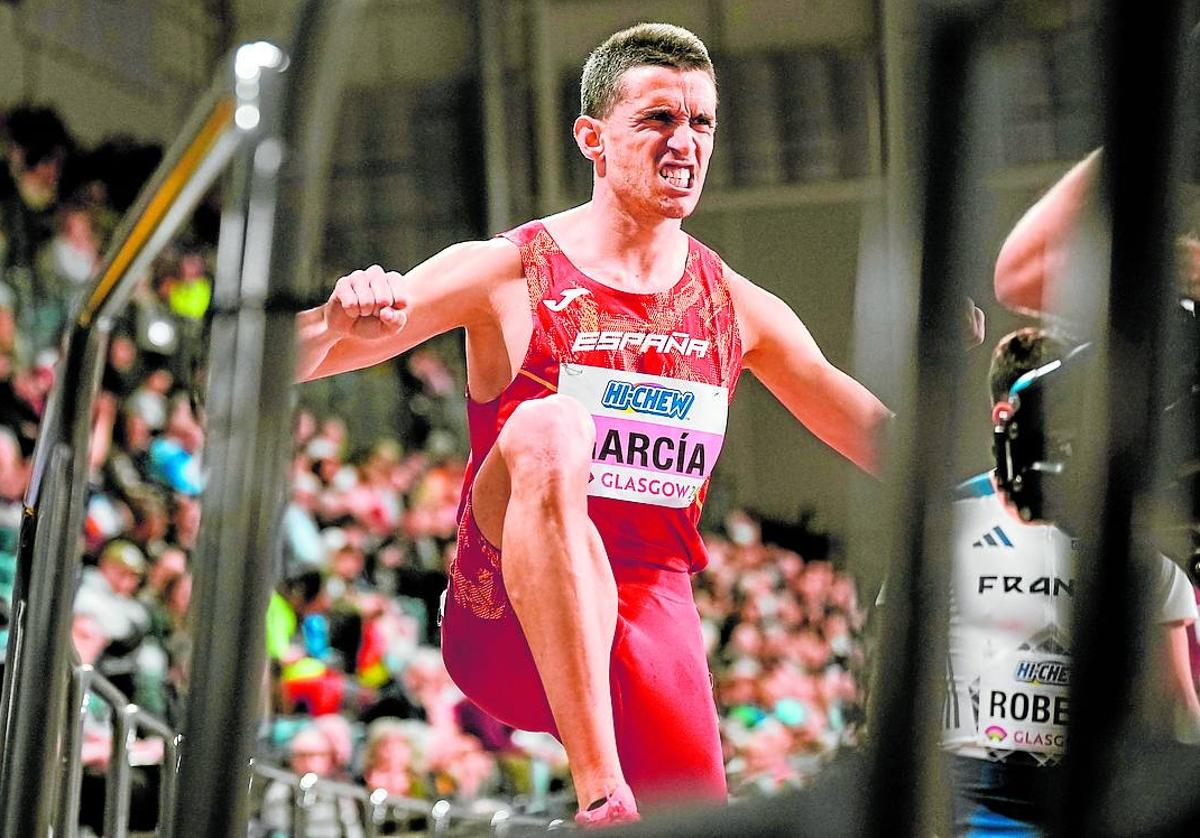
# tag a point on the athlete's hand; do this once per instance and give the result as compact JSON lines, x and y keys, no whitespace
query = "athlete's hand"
{"x":973,"y":326}
{"x":368,"y":304}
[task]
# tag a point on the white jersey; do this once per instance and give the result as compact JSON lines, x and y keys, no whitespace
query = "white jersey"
{"x":1009,"y":665}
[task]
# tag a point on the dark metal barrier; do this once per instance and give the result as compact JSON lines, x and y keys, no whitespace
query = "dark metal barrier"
{"x":277,"y":121}
{"x":1141,"y":49}
{"x":912,"y":649}
{"x":1139,"y":61}
{"x":271,"y":217}
{"x":48,"y":559}
{"x":127,"y":721}
{"x":905,"y":790}
{"x":376,"y":806}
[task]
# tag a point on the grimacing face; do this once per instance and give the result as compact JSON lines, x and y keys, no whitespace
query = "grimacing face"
{"x":658,"y":139}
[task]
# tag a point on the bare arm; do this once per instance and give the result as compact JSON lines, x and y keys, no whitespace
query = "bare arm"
{"x":1179,"y":670}
{"x":782,"y":354}
{"x":374,"y":315}
{"x":1034,"y":252}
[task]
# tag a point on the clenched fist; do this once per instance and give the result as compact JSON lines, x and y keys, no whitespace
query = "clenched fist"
{"x":367,"y":304}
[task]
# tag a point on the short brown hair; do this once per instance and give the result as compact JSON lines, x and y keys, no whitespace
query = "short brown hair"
{"x":1020,"y":352}
{"x":653,"y":44}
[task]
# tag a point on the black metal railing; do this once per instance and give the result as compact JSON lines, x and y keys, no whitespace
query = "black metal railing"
{"x":268,"y":114}
{"x":378,"y":808}
{"x":48,"y":556}
{"x":127,"y":721}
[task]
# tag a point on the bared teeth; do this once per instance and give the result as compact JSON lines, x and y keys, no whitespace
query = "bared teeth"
{"x":676,"y":177}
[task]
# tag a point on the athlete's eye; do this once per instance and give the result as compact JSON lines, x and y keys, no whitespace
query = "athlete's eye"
{"x":704,"y":123}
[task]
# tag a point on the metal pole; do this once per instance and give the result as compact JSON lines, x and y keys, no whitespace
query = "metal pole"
{"x":119,"y":776}
{"x":48,"y":562}
{"x":905,"y":794}
{"x":169,"y":769}
{"x":489,"y":29}
{"x":1140,"y":67}
{"x":264,"y":276}
{"x":303,"y":797}
{"x":222,"y":706}
{"x":168,"y":785}
{"x":547,"y":126}
{"x":441,"y":817}
{"x":885,"y":290}
{"x":36,"y":723}
{"x":68,"y":808}
{"x":376,"y":811}
{"x":884,"y":318}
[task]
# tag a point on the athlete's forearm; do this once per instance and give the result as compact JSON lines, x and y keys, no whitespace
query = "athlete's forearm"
{"x":322,"y":352}
{"x":313,"y":342}
{"x":373,"y":315}
{"x":1179,"y":668}
{"x":835,"y":408}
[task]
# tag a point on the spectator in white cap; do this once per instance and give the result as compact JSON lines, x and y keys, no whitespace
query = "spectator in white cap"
{"x":107,"y":591}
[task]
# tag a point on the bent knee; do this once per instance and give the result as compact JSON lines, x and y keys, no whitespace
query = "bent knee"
{"x":555,"y":435}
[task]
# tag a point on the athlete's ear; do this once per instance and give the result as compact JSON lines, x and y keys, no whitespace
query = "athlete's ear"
{"x":1001,"y":410}
{"x":589,"y":136}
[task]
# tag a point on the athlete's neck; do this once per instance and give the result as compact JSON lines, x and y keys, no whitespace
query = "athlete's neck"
{"x":617,"y":250}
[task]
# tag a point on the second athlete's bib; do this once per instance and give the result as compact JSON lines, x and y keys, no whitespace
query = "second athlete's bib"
{"x":1023,"y":702}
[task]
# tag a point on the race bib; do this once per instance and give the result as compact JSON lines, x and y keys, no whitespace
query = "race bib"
{"x":657,"y":438}
{"x":1023,"y":703}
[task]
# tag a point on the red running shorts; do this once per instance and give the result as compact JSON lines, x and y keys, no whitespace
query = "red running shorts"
{"x":663,"y":708}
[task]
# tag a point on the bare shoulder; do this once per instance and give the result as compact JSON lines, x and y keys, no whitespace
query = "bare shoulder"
{"x":738,"y":284}
{"x":500,"y":269}
{"x":768,"y":324}
{"x":752,"y":304}
{"x":741,"y":290}
{"x":489,"y":261}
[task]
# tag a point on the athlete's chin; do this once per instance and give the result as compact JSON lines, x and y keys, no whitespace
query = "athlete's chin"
{"x":680,"y":208}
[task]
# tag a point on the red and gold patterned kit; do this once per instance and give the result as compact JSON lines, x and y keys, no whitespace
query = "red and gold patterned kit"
{"x":657,"y":372}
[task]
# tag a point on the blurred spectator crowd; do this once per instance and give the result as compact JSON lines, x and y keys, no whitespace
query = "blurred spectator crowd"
{"x":786,"y":649}
{"x":357,"y":688}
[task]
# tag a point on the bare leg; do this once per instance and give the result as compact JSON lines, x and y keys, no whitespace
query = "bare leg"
{"x":530,"y":499}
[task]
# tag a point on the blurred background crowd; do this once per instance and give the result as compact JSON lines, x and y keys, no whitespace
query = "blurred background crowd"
{"x":358,"y":689}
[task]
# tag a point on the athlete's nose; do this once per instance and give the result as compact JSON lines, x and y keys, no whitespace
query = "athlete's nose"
{"x":680,"y":140}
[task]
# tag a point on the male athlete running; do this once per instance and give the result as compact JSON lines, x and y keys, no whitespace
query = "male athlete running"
{"x":603,"y":347}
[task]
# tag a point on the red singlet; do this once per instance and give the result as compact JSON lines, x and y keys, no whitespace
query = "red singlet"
{"x":657,"y":372}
